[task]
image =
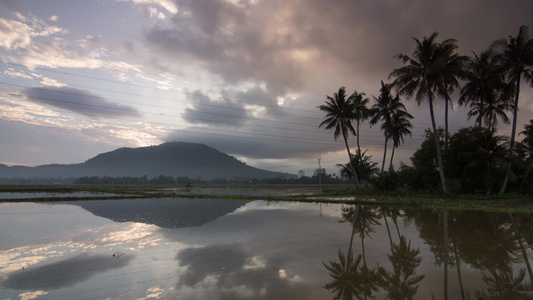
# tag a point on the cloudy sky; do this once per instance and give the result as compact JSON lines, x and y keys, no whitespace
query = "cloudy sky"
{"x":78,"y":78}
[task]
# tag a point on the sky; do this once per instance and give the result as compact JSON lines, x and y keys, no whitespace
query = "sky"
{"x":79,"y":78}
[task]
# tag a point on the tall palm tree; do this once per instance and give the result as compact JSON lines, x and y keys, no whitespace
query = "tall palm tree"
{"x":527,"y":144}
{"x":516,"y":57}
{"x":401,"y":126}
{"x":339,"y":115}
{"x":388,"y":109}
{"x":424,"y":75}
{"x":485,"y":91}
{"x":453,"y":68}
{"x":360,"y":113}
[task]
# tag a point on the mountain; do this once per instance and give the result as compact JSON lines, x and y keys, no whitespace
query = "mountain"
{"x":177,"y":159}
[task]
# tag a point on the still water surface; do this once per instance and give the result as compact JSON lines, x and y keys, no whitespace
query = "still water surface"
{"x":231,"y":249}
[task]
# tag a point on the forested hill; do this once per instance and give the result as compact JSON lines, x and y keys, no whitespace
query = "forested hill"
{"x":177,"y":159}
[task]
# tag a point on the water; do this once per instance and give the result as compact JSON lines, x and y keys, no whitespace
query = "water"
{"x":231,"y":249}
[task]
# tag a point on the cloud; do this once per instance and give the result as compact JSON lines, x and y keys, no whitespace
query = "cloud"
{"x":79,"y":101}
{"x":300,"y":42}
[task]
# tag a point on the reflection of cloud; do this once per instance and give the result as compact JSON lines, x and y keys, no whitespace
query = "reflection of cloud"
{"x":31,"y":295}
{"x":64,"y":273}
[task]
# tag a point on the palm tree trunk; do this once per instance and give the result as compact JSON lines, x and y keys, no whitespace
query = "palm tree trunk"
{"x":350,"y":160}
{"x":446,"y":98}
{"x":513,"y":132}
{"x":437,"y":145}
{"x":384,"y":154}
{"x":358,"y":145}
{"x":392,"y":156}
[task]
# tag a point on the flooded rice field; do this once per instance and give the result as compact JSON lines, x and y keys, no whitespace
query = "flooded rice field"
{"x":172,"y":248}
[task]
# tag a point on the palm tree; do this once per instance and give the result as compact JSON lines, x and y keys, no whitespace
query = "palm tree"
{"x":400,"y":127}
{"x":485,"y":91}
{"x":339,"y":115}
{"x":453,"y":66}
{"x":527,"y":144}
{"x":516,"y":58}
{"x":363,"y":164}
{"x":388,"y":110}
{"x":360,"y":113}
{"x":425,"y":75}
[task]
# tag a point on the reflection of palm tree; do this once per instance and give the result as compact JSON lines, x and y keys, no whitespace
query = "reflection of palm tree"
{"x":362,"y":219}
{"x":339,"y":115}
{"x":402,"y":282}
{"x":503,"y":285}
{"x":349,"y":279}
{"x":522,"y":248}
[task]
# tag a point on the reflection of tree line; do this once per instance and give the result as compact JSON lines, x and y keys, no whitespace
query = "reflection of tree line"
{"x":489,"y":242}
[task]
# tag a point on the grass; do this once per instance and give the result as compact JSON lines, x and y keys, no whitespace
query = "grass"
{"x":328,"y":194}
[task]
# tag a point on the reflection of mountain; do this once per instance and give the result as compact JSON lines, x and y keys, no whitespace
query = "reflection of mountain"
{"x":166,"y":213}
{"x":177,"y":159}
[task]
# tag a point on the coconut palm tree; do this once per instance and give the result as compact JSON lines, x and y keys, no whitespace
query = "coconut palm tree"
{"x":388,"y":109}
{"x":453,"y":68}
{"x":400,"y":126}
{"x":516,"y":58}
{"x":426,"y":76}
{"x":339,"y":115}
{"x":485,"y":91}
{"x":360,"y":113}
{"x":363,"y":164}
{"x":527,"y":145}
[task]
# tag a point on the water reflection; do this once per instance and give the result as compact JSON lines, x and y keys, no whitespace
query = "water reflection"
{"x":229,"y":249}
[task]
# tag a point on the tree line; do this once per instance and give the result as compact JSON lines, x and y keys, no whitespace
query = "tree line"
{"x":488,"y":83}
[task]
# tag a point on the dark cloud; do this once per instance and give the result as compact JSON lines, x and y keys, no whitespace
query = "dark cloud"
{"x":79,"y":101}
{"x":222,"y":112}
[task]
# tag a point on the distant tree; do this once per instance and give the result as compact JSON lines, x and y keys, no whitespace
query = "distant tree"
{"x":516,"y":58}
{"x":339,"y":115}
{"x":475,"y":156}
